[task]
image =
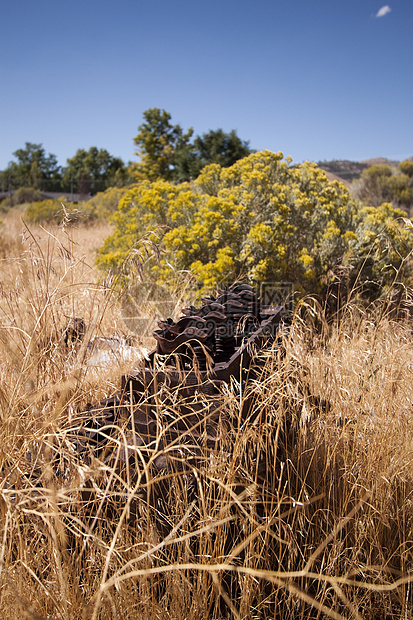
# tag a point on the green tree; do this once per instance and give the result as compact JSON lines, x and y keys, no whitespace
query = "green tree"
{"x":218,"y":147}
{"x":33,"y":168}
{"x":94,"y":170}
{"x":263,"y":219}
{"x":159,"y":145}
{"x":214,"y":147}
{"x":166,"y":152}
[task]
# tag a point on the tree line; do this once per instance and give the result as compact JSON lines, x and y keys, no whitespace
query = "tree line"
{"x":86,"y":172}
{"x":220,"y":211}
{"x":165,"y":150}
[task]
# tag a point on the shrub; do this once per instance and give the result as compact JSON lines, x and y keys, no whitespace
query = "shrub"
{"x":47,"y":210}
{"x":22,"y":195}
{"x":260,"y":218}
{"x":5,"y":205}
{"x":104,"y":204}
{"x":381,"y":183}
{"x":100,"y":206}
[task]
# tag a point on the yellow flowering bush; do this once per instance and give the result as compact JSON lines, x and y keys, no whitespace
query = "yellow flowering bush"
{"x":48,"y":210}
{"x":101,"y":206}
{"x":261,"y":218}
{"x":379,"y":246}
{"x":104,"y":204}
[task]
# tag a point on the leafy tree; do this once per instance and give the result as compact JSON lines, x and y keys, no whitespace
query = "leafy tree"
{"x":167,"y":152}
{"x":159,"y":143}
{"x":218,"y":147}
{"x":214,"y":147}
{"x":33,"y":168}
{"x":94,"y":170}
{"x":260,"y":218}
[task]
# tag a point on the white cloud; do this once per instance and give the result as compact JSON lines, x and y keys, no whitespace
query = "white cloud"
{"x":383,"y":11}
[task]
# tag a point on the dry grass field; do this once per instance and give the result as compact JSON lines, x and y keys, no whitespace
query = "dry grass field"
{"x":303,"y":510}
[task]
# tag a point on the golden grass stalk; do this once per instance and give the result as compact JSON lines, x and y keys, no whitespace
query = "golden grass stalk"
{"x":302,"y":509}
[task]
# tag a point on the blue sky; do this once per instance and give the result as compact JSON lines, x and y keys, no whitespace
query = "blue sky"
{"x":327,"y":79}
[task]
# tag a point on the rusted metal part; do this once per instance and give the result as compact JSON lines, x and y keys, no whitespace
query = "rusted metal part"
{"x":205,"y":348}
{"x":172,"y":409}
{"x":176,"y":372}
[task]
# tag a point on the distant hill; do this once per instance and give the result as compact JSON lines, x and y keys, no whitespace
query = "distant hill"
{"x":382,"y":161}
{"x":347,"y":171}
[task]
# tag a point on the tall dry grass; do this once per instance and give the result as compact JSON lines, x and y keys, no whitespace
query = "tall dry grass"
{"x":303,"y":509}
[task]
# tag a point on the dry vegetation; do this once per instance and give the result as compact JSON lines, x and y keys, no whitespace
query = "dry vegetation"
{"x":304,"y":509}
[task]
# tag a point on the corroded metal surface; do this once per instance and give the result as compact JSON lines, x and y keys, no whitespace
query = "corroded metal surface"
{"x":171,"y":412}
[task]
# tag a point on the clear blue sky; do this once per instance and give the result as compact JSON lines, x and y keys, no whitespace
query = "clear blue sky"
{"x":326,"y":79}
